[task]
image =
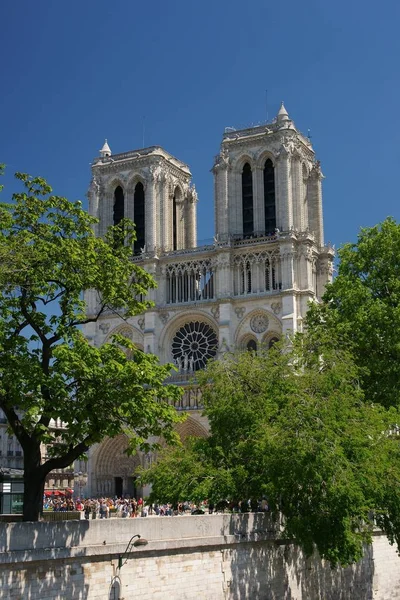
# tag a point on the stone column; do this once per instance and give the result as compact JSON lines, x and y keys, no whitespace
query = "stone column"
{"x":181,"y":220}
{"x":287,"y":266}
{"x":150,"y":213}
{"x":285,"y":189}
{"x":235,"y":202}
{"x":221,"y":215}
{"x":224,"y":330}
{"x":258,"y":199}
{"x":315,"y":203}
{"x":224,"y":274}
{"x":166,"y":201}
{"x":189,"y":223}
{"x":149,"y":332}
{"x":106,"y":206}
{"x":296,"y":193}
{"x":191,"y":227}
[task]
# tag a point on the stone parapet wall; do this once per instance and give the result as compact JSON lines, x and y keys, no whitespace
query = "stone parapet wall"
{"x":216,"y":557}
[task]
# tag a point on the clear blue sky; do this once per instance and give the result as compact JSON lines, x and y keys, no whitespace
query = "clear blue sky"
{"x":76,"y":72}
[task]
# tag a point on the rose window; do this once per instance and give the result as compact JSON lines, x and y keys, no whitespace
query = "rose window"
{"x":193,"y":345}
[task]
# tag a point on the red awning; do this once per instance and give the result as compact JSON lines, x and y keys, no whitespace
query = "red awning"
{"x":54,"y":493}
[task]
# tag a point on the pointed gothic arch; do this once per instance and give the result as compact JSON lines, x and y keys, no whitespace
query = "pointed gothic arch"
{"x":269,"y":197}
{"x":118,"y":205}
{"x":130,"y":332}
{"x":113,"y":468}
{"x":139,"y":217}
{"x":247,"y":200}
{"x":260,"y":324}
{"x":248,"y":342}
{"x":191,"y":428}
{"x":177,"y":200}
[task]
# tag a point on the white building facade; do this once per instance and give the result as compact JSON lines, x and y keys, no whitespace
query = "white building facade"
{"x":247,"y":289}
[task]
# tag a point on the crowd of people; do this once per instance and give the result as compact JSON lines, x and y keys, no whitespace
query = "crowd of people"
{"x":104,"y":508}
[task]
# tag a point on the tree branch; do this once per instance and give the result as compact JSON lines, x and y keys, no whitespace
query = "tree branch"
{"x":14,"y":421}
{"x":88,"y":320}
{"x":68,"y":458}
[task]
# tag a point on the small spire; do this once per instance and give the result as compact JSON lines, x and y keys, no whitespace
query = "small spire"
{"x":106,"y":150}
{"x":282,"y":114}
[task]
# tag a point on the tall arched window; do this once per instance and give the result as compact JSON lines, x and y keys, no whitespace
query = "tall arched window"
{"x":118,"y":212}
{"x":269,"y":197}
{"x":251,"y":346}
{"x":272,"y":341}
{"x":247,"y":200}
{"x":139,"y":217}
{"x":174,"y":225}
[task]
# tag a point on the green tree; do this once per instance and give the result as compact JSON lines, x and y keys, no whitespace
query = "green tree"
{"x":361,"y":309}
{"x":301,"y":433}
{"x":49,"y":372}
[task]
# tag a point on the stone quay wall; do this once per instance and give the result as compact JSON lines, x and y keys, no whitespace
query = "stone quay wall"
{"x":210,"y":557}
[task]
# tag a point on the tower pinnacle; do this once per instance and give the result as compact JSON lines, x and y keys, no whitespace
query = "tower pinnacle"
{"x":282,"y":114}
{"x":106,"y":150}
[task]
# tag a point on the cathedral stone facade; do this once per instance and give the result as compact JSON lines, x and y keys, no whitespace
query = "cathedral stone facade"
{"x":247,"y":289}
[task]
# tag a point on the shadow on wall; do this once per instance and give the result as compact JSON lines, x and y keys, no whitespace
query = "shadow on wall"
{"x":39,"y":579}
{"x":265,"y":568}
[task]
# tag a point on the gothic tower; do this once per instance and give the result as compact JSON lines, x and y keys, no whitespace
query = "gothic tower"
{"x":249,"y":288}
{"x":150,"y":187}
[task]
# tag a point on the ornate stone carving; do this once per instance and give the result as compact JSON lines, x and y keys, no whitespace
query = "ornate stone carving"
{"x":215,"y":312}
{"x":156,"y":172}
{"x":285,"y":150}
{"x":94,"y":188}
{"x":126,"y":465}
{"x":126,"y":331}
{"x":193,"y":344}
{"x":240,"y":310}
{"x":105,"y":327}
{"x":316,"y":170}
{"x":164,"y":316}
{"x":192,"y":195}
{"x":224,"y":347}
{"x":276,"y":307}
{"x":259,"y":323}
{"x":223,"y":261}
{"x":221,"y":160}
{"x":141,"y":323}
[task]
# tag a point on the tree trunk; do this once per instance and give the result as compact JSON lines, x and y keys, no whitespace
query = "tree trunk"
{"x":34,"y":480}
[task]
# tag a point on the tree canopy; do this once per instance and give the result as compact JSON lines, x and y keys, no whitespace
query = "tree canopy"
{"x":49,"y":372}
{"x":361,"y":309}
{"x":313,"y":425}
{"x":300,"y":433}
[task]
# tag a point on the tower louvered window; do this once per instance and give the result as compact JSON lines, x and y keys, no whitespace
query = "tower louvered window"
{"x":269,"y":197}
{"x":247,"y":200}
{"x":139,"y":218}
{"x":118,"y":212}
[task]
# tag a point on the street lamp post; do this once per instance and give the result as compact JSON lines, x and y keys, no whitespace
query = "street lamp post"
{"x":80,"y":479}
{"x":131,"y":544}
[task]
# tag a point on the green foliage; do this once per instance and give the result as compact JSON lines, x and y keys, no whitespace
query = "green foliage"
{"x":183,"y":474}
{"x":313,"y":426}
{"x":298,"y":431}
{"x":361,"y":309}
{"x":48,"y":370}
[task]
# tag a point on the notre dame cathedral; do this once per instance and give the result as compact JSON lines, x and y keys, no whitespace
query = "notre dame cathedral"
{"x":248,"y":288}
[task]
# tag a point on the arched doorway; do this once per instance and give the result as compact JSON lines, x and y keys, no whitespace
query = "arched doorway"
{"x":114,"y":470}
